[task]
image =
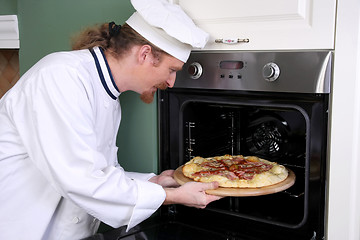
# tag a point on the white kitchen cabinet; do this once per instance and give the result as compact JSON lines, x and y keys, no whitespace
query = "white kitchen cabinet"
{"x":9,"y":32}
{"x":268,"y":25}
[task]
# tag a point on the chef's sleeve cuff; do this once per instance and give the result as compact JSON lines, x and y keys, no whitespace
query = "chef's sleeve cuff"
{"x":150,"y":198}
{"x":140,"y":176}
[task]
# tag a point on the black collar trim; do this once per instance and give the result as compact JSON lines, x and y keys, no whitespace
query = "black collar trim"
{"x":104,"y":72}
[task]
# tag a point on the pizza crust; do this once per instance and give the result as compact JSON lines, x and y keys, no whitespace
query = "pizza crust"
{"x":276,"y":174}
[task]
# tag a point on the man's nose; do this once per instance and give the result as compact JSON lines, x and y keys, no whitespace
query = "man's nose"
{"x":171,"y":81}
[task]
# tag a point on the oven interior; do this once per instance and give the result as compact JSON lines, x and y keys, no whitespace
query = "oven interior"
{"x":278,"y":134}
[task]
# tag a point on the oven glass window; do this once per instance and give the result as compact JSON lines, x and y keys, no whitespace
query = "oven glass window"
{"x":274,"y":133}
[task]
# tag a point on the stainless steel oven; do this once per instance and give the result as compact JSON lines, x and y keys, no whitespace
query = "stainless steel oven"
{"x":269,"y":104}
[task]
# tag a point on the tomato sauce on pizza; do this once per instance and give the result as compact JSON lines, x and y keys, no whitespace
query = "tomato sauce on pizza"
{"x":235,"y":171}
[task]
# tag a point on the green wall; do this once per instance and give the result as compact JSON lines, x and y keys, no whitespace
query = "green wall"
{"x":46,"y":26}
{"x":8,"y":7}
{"x":137,"y":138}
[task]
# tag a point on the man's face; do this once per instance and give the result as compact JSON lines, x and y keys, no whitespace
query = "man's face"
{"x":161,"y":75}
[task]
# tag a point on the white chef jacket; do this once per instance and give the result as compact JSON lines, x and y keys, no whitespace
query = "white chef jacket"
{"x":58,"y":157}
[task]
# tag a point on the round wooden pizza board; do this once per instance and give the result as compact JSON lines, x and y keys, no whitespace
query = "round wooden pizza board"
{"x":241,"y":192}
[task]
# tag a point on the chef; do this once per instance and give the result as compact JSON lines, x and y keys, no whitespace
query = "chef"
{"x":59,"y":174}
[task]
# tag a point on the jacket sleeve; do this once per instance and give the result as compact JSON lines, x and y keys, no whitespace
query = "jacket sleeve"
{"x":140,"y":176}
{"x":56,"y":124}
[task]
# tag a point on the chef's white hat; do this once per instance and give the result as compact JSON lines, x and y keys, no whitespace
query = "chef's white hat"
{"x":167,"y":26}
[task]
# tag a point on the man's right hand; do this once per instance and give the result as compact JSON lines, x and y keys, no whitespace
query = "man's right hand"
{"x":191,"y":194}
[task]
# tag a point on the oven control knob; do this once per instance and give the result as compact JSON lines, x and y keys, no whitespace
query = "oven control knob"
{"x":195,"y":70}
{"x":271,"y":71}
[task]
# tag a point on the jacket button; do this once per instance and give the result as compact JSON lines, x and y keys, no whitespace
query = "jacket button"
{"x":76,"y":220}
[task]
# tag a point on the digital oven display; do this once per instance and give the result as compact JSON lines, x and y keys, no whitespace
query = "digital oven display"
{"x":231,"y":65}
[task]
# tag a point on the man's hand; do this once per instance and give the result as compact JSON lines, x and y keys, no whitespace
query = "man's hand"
{"x":191,"y":194}
{"x":165,"y":179}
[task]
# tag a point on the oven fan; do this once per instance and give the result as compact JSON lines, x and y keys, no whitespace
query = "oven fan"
{"x":267,"y":137}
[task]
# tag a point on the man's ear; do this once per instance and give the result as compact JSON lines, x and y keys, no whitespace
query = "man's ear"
{"x":143,"y":53}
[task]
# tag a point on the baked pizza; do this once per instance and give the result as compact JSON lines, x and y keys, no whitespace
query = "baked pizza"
{"x":235,"y":171}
